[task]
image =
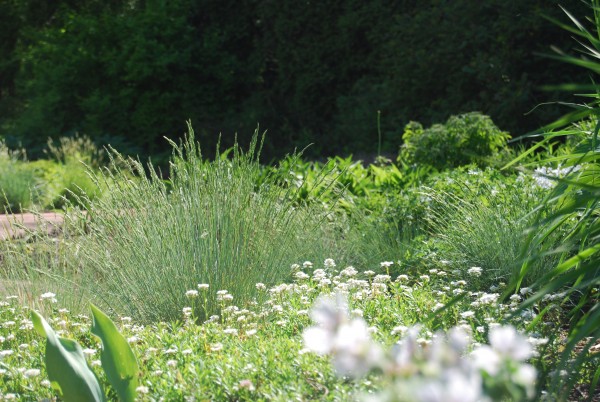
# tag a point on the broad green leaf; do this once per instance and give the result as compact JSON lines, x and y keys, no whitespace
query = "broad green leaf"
{"x":66,"y":366}
{"x":118,"y":361}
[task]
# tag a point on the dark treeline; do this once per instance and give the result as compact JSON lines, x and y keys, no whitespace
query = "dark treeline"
{"x":131,"y":72}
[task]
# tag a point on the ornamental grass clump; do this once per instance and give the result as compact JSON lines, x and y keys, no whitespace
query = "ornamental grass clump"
{"x":488,"y":226}
{"x":150,"y":240}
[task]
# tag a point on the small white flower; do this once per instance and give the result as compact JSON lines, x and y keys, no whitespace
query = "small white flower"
{"x":203,"y":286}
{"x":307,"y":264}
{"x":171,"y":363}
{"x":230,"y":331}
{"x":489,"y":298}
{"x":467,"y":314}
{"x":142,"y":389}
{"x":525,"y":291}
{"x":215,"y":347}
{"x":49,"y":296}
{"x":474,"y":271}
{"x":301,"y":275}
{"x":526,"y":375}
{"x":382,"y":278}
{"x":349,"y":271}
{"x":329,"y":263}
{"x":133,"y":339}
{"x":246,"y":384}
{"x":4,"y":353}
{"x":261,"y":286}
{"x":191,"y":294}
{"x":386,"y":264}
{"x":31,"y":373}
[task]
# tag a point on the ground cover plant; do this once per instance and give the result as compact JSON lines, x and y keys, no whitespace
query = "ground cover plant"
{"x":264,"y":350}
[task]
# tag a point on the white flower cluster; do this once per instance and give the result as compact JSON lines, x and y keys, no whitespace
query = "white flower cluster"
{"x":450,"y":367}
{"x":545,"y":177}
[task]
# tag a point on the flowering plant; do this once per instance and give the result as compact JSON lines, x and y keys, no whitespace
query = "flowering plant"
{"x":447,"y":368}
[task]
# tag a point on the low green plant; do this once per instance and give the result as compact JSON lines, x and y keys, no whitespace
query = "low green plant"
{"x":69,"y":372}
{"x":463,"y":139}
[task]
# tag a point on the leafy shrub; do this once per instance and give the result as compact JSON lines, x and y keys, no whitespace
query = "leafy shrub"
{"x":69,"y":178}
{"x":463,"y":139}
{"x":19,"y":187}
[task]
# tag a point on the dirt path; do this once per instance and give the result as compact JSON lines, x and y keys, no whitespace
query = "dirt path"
{"x":14,"y":225}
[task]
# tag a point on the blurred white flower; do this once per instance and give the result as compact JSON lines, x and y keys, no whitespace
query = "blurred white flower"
{"x":30,"y":373}
{"x":474,"y":271}
{"x":49,"y":296}
{"x":349,"y":271}
{"x":307,"y":264}
{"x":191,"y":293}
{"x":301,"y":275}
{"x":509,"y":343}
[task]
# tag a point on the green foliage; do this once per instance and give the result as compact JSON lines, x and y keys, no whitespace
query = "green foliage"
{"x":19,"y":187}
{"x":69,"y":372}
{"x":463,"y":139}
{"x":66,"y":365}
{"x":124,"y":70}
{"x":575,"y":200}
{"x":118,"y":360}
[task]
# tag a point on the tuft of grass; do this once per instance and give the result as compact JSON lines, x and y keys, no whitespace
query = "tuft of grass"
{"x":488,"y":230}
{"x":148,"y":241}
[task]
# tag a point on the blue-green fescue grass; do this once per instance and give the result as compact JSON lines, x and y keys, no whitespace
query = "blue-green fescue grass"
{"x":486,"y":226}
{"x":254,"y":351}
{"x":148,"y":241}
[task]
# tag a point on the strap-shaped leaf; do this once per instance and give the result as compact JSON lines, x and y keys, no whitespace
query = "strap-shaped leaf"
{"x":118,"y":361}
{"x":66,"y":366}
